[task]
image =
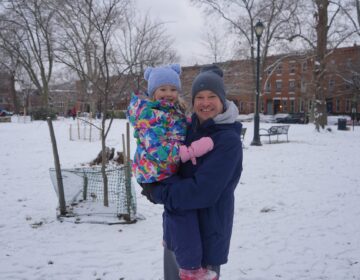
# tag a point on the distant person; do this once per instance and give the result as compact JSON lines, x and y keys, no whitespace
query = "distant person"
{"x":160,"y":128}
{"x":73,"y":113}
{"x":207,"y":187}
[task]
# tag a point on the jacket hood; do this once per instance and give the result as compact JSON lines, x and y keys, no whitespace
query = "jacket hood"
{"x":229,"y":116}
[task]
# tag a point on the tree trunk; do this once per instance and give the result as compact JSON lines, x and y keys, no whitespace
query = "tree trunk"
{"x":103,"y":164}
{"x":13,"y":94}
{"x":320,"y":112}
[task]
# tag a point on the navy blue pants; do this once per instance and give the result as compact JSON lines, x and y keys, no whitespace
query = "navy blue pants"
{"x":182,"y":236}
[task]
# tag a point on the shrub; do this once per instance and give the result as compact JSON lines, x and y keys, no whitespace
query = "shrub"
{"x":117,"y":114}
{"x":43,"y":113}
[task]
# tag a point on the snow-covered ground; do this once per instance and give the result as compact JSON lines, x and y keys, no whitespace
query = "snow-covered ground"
{"x":297,"y":213}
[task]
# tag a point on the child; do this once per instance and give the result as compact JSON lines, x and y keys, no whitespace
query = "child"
{"x":160,"y":129}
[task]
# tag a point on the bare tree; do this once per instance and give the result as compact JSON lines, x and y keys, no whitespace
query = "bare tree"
{"x":10,"y":64}
{"x":324,"y":31}
{"x":106,"y":44}
{"x":278,"y":16}
{"x":217,"y":45}
{"x":144,"y":42}
{"x":26,"y":32}
{"x":86,"y":45}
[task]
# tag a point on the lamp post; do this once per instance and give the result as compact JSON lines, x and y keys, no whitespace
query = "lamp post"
{"x":259,"y":28}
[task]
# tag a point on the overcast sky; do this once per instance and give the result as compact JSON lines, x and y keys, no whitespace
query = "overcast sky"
{"x":184,"y":22}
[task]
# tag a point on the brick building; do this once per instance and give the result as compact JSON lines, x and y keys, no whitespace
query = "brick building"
{"x":286,"y":86}
{"x":238,"y":79}
{"x":5,"y":94}
{"x":287,"y":82}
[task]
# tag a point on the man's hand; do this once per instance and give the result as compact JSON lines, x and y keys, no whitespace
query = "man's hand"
{"x":146,"y":190}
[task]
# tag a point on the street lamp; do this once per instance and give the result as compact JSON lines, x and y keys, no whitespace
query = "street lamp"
{"x":259,"y":28}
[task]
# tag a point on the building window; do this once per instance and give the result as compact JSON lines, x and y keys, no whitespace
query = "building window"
{"x":331,"y":84}
{"x":278,"y":85}
{"x":279,"y":69}
{"x":292,"y":67}
{"x":301,"y":106}
{"x":242,"y":107}
{"x":291,"y":86}
{"x":348,"y":106}
{"x":268,"y":87}
{"x":303,"y":86}
{"x":269,"y":70}
{"x":337,"y":104}
{"x":348,"y":62}
{"x":284,"y":106}
{"x":292,"y":106}
{"x":347,"y":85}
{"x":304,"y":66}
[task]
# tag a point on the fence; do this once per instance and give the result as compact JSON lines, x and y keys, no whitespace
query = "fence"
{"x":86,"y":183}
{"x":84,"y":130}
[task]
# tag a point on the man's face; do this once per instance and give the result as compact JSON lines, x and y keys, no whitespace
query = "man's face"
{"x":207,"y":105}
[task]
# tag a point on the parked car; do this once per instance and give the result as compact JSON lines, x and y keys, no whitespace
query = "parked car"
{"x":293,"y":118}
{"x":5,"y":113}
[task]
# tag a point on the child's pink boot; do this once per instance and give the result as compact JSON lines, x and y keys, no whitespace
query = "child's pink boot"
{"x":197,"y":274}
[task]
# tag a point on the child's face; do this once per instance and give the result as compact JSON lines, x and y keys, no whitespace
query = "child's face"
{"x":166,"y":92}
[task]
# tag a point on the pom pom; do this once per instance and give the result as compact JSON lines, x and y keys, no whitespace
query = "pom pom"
{"x":147,"y":72}
{"x":176,"y":68}
{"x":213,"y":68}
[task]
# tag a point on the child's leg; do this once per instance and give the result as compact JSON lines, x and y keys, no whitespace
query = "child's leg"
{"x":186,"y":241}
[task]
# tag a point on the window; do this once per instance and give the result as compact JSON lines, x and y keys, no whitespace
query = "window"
{"x":348,"y":62}
{"x":301,"y":106}
{"x":279,"y":69}
{"x":331,"y":84}
{"x":291,"y":86}
{"x":268,"y":87}
{"x":292,"y":106}
{"x":303,"y":85}
{"x":278,"y":85}
{"x":337,"y":104}
{"x":242,"y":109}
{"x":304,"y":66}
{"x":284,"y":106}
{"x":292,"y":67}
{"x":348,"y":106}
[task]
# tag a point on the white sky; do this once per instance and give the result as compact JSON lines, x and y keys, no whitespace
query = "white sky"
{"x":184,"y":22}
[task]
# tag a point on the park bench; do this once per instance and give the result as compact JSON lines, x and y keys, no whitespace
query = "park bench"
{"x":5,"y":119}
{"x":275,"y":131}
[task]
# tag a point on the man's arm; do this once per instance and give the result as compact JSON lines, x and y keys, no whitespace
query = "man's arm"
{"x":212,"y":176}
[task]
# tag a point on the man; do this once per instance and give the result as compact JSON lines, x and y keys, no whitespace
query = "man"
{"x":209,"y":185}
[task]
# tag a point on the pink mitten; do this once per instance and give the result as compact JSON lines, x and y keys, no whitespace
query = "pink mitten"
{"x":197,"y":149}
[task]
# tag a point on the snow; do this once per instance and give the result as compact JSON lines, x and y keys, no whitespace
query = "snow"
{"x":296,"y":213}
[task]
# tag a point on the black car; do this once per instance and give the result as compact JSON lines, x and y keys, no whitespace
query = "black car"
{"x":293,"y":118}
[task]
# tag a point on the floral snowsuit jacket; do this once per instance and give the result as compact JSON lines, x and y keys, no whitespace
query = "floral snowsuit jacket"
{"x":159,"y":130}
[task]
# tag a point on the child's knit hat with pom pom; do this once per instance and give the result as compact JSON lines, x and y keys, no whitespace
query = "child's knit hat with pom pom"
{"x":162,"y":76}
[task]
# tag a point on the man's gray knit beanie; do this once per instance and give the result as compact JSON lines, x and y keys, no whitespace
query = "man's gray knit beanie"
{"x":210,"y":78}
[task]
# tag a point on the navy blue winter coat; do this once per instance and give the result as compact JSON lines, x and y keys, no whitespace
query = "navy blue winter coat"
{"x":208,"y":187}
